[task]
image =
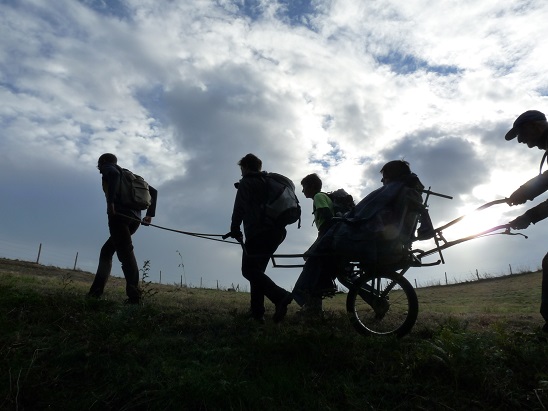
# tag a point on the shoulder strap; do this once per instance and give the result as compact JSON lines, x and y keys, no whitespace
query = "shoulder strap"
{"x":542,"y":161}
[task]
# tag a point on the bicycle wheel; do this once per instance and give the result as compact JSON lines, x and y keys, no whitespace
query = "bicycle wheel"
{"x":382,"y":304}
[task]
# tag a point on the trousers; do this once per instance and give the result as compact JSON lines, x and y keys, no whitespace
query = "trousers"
{"x":121,"y":229}
{"x":255,"y":258}
{"x":544,"y":289}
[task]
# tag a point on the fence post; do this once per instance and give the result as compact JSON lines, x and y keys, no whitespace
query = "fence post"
{"x":160,"y":276}
{"x":75,"y":261}
{"x":39,"y":251}
{"x":416,"y":283}
{"x":446,"y":278}
{"x":510,"y":265}
{"x":477,"y":274}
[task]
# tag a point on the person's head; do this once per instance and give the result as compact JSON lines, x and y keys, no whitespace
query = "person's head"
{"x":250,"y":163}
{"x":529,"y":128}
{"x":312,"y":185}
{"x":106,"y":158}
{"x":394,"y":171}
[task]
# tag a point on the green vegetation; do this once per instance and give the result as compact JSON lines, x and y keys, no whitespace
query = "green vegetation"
{"x":475,"y":346}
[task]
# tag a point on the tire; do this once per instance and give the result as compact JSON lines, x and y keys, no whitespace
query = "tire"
{"x":382,"y":304}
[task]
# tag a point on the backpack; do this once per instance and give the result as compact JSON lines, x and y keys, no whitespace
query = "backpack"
{"x":342,"y":202}
{"x":282,"y":205}
{"x":133,"y":191}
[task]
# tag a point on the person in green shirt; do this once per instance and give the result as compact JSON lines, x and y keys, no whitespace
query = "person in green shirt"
{"x":322,"y":208}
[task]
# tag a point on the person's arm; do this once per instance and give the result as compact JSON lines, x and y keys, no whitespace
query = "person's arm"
{"x":534,"y":215}
{"x":238,"y":211}
{"x":530,"y":189}
{"x":151,"y":211}
{"x":323,"y":214}
{"x":111,"y":183}
{"x":323,"y":210}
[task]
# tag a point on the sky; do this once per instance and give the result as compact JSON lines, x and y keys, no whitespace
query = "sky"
{"x":180,"y":91}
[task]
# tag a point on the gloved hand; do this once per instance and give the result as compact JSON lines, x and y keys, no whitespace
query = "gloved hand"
{"x":520,"y":196}
{"x":237,"y":235}
{"x":521,"y":222}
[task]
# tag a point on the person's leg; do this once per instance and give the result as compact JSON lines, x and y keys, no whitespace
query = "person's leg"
{"x":103,"y":269}
{"x":249,"y":270}
{"x":544,"y":291}
{"x":121,"y":230}
{"x":307,"y":280}
{"x":254,"y":262}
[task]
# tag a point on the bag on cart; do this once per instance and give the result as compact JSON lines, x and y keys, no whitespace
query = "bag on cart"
{"x":342,"y":202}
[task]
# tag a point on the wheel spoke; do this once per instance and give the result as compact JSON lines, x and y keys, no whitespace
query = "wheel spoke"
{"x":382,"y":304}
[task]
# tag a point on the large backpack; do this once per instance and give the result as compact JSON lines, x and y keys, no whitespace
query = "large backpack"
{"x":133,"y":191}
{"x":282,"y":205}
{"x":342,"y":202}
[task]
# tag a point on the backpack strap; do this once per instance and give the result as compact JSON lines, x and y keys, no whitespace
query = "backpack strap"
{"x":542,"y":161}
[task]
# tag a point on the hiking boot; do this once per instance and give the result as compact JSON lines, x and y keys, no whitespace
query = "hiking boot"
{"x":281,"y":308}
{"x":132,"y":301}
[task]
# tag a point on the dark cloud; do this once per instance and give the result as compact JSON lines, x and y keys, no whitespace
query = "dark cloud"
{"x":447,"y":163}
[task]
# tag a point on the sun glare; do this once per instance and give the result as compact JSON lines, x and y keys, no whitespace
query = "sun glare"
{"x":475,"y":222}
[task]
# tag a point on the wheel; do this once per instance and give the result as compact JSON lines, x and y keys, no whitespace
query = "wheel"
{"x":382,"y":304}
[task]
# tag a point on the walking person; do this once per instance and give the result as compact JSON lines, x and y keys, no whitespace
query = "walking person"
{"x":531,"y":128}
{"x":123,"y":222}
{"x":323,"y":211}
{"x":262,"y":238}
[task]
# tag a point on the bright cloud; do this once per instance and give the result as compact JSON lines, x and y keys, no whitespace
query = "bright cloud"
{"x":180,"y":91}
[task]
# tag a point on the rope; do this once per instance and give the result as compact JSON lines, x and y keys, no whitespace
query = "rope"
{"x":199,"y":235}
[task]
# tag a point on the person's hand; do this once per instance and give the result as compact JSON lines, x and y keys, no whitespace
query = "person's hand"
{"x":237,"y":235}
{"x":518,"y":197}
{"x":520,"y":223}
{"x":146,"y":220}
{"x":111,"y":210}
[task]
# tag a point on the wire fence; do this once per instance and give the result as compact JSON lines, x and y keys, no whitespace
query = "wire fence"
{"x":44,"y":255}
{"x":51,"y":257}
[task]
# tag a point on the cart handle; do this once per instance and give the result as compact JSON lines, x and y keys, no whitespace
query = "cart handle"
{"x":483,"y":207}
{"x":438,"y":248}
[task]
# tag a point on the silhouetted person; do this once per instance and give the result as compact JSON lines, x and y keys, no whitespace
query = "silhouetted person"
{"x":531,"y":128}
{"x":262,"y":238}
{"x":359,"y":235}
{"x":122,"y":224}
{"x":322,"y":209}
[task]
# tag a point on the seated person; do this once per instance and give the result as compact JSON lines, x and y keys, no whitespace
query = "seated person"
{"x":356,"y":236}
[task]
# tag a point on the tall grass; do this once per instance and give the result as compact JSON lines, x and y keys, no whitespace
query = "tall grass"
{"x":195,"y":349}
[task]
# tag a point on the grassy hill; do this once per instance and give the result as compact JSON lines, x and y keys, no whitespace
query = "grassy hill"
{"x":476,"y":346}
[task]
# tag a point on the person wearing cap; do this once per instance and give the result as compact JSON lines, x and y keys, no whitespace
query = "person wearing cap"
{"x":531,"y":128}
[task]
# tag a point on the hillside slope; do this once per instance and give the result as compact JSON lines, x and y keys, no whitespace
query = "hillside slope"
{"x":476,"y":346}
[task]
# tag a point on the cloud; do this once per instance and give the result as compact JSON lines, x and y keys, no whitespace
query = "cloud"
{"x":180,"y":91}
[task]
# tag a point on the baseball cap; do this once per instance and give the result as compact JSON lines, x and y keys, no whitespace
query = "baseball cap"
{"x":530,"y":115}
